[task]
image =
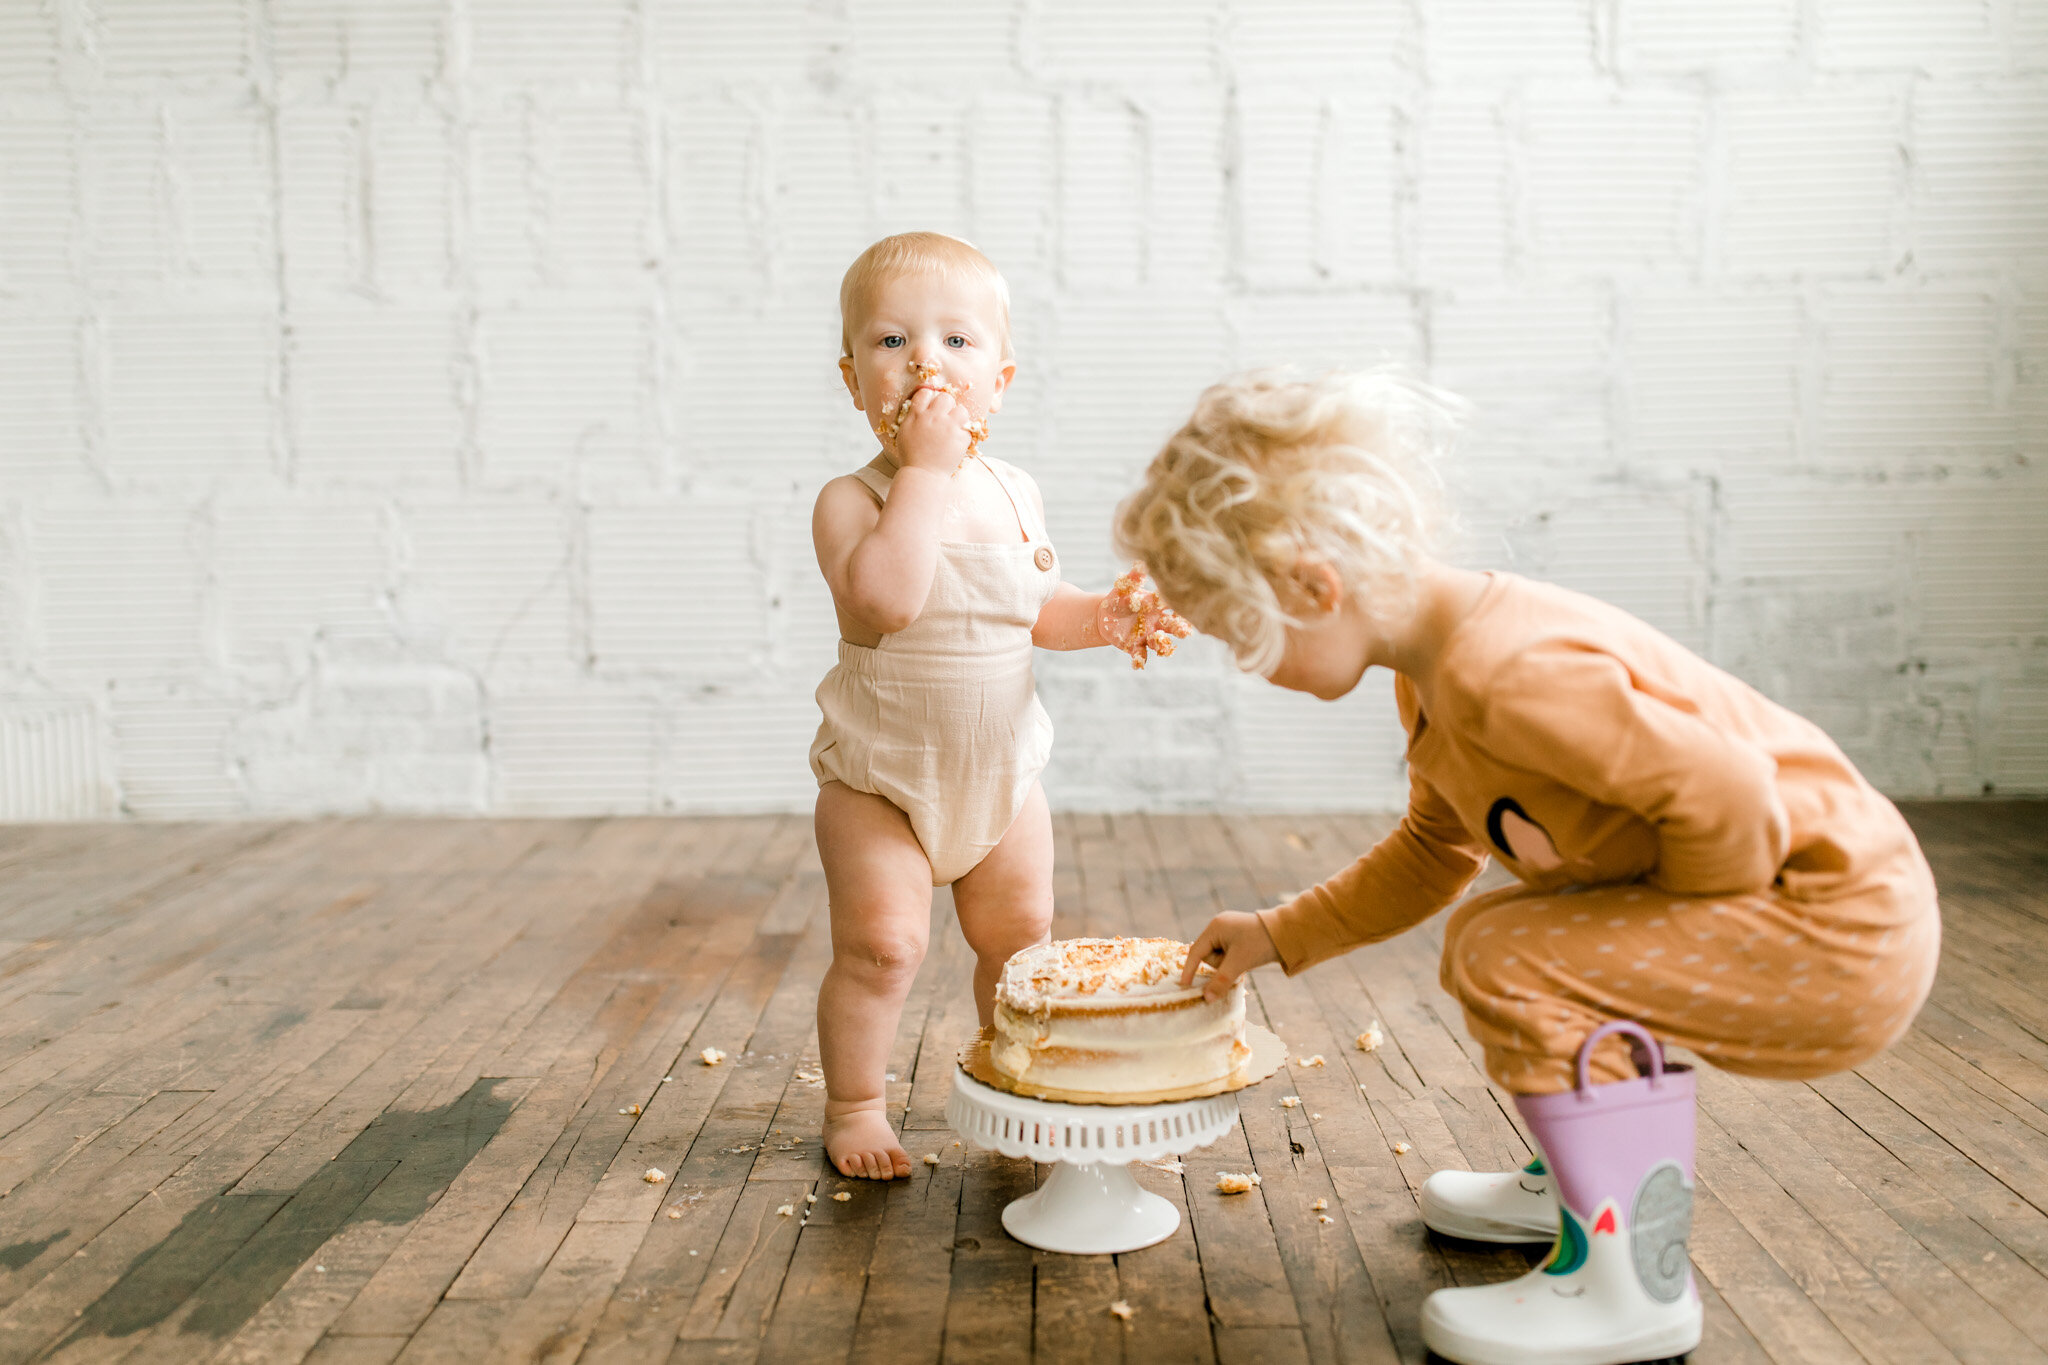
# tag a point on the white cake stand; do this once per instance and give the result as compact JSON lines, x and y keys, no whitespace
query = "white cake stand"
{"x":1091,"y":1204}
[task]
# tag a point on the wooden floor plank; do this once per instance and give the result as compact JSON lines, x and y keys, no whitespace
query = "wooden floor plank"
{"x":2000,"y":1277}
{"x":1830,"y":1276}
{"x":988,"y":1303}
{"x":1766,"y":1301}
{"x":1945,"y":1304}
{"x":818,"y":1308}
{"x":1070,"y":1310}
{"x":902,"y":1317}
{"x":1163,"y":1285}
{"x":1917,"y":1144}
{"x":683,"y":941}
{"x":554,"y":1320}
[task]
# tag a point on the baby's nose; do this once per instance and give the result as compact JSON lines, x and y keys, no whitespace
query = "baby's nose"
{"x":924,"y":369}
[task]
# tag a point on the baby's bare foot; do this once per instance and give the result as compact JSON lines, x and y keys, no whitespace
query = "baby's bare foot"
{"x":860,"y":1143}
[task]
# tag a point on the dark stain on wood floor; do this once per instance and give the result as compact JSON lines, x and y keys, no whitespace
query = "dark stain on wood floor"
{"x":365,"y":1091}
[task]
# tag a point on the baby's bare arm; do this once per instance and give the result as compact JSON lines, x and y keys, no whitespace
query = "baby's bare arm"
{"x":879,"y":561}
{"x":1068,"y":620}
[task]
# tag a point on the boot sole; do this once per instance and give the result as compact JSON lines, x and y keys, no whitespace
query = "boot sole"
{"x":1665,"y":1343}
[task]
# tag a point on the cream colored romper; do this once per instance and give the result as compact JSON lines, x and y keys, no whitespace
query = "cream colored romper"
{"x":942,"y":717}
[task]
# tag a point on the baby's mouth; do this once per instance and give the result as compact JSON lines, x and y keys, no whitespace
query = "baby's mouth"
{"x":928,"y":377}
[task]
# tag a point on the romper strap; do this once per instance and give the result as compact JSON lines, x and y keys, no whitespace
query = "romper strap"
{"x":1021,"y":501}
{"x":875,"y":481}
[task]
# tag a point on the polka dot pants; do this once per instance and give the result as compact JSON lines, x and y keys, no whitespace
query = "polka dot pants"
{"x":1764,"y":985}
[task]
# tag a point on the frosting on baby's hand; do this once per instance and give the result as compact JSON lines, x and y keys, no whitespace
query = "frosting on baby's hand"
{"x":889,"y":421}
{"x":1133,"y":619}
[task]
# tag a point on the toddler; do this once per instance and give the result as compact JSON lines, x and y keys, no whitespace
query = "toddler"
{"x":933,"y":737}
{"x":1697,"y":865}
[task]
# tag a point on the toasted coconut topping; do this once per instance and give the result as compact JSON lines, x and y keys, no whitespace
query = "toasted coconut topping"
{"x":1089,"y":968}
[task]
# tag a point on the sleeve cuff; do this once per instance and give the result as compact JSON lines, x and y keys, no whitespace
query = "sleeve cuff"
{"x":1300,"y":944}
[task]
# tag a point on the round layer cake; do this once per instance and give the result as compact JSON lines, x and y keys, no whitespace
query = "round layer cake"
{"x":1108,"y":1016}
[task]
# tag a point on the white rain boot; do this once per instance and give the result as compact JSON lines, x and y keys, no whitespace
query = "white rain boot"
{"x":1492,"y":1206}
{"x":1617,"y":1286}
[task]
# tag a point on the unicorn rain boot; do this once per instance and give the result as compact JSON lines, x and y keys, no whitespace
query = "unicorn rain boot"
{"x":1617,"y":1286}
{"x":1492,"y":1206}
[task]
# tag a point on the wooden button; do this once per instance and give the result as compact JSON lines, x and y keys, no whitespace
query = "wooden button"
{"x":1043,"y":559}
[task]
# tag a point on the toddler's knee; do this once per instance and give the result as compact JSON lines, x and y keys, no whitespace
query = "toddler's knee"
{"x":1480,"y":957}
{"x":882,"y":956}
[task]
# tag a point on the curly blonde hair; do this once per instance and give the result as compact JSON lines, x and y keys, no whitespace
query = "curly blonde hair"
{"x":1274,"y":470}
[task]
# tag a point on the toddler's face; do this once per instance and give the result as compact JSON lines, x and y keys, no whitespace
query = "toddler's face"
{"x":947,"y":327}
{"x":1326,"y":653}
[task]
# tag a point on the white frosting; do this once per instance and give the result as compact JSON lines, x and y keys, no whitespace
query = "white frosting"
{"x":1106,"y":972}
{"x":1109,"y":1016}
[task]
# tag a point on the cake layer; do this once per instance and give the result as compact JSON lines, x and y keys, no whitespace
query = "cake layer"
{"x":1109,"y":1016}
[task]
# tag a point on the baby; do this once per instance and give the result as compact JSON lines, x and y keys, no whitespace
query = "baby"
{"x":933,"y":737}
{"x":1696,"y":864}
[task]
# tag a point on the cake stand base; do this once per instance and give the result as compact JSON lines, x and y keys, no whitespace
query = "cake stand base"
{"x":1090,"y":1203}
{"x":1093,"y":1210}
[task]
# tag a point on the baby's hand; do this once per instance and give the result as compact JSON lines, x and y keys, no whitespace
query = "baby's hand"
{"x":1133,"y":619}
{"x":934,"y":431}
{"x":1234,"y":942}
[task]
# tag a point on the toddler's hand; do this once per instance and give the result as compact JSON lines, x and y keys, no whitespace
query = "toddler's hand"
{"x":1234,"y":942}
{"x":1133,"y":619}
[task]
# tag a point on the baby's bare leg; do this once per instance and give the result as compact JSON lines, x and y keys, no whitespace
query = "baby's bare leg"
{"x":1005,"y":903}
{"x":880,"y":886}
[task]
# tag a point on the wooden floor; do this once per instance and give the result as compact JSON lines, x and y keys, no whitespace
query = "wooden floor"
{"x":365,"y":1091}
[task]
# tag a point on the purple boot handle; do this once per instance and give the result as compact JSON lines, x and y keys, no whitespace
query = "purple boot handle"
{"x":1633,"y":1030}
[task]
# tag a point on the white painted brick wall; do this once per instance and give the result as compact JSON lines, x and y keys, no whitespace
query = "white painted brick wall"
{"x":414,"y":405}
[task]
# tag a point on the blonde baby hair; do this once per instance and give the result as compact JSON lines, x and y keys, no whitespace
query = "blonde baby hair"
{"x":1274,"y":470}
{"x":912,"y":253}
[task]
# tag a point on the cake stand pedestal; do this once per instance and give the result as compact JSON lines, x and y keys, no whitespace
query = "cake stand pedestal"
{"x":1091,"y":1204}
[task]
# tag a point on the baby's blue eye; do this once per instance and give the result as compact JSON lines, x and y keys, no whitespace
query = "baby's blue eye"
{"x":892,"y":342}
{"x":956,"y":341}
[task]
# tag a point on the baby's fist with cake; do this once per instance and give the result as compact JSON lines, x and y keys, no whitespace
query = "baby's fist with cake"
{"x":1110,"y":1017}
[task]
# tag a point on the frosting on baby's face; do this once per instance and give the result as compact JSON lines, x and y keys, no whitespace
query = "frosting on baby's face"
{"x":926,"y":330}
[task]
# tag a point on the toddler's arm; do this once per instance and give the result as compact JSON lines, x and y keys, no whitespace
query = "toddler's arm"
{"x":1407,"y":877}
{"x":879,"y":562}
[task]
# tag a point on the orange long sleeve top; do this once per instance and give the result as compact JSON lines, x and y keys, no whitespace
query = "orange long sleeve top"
{"x":1580,"y":746}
